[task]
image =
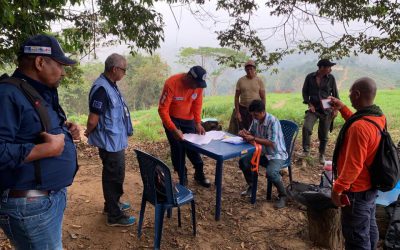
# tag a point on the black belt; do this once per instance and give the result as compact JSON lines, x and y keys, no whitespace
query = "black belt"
{"x":27,"y":193}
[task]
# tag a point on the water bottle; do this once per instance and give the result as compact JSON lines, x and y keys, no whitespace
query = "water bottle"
{"x":326,"y":178}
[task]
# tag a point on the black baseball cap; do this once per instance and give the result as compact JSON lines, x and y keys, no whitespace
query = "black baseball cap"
{"x":199,"y":74}
{"x":45,"y":45}
{"x":325,"y":63}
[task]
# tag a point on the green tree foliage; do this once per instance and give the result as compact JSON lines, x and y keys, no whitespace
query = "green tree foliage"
{"x":377,"y":22}
{"x":208,"y":58}
{"x":75,"y":87}
{"x":141,"y":86}
{"x":84,"y":24}
{"x":145,"y":80}
{"x":367,"y":26}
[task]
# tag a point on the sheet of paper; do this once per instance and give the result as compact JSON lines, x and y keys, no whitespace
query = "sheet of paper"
{"x":204,"y":139}
{"x":234,"y":140}
{"x":326,"y":103}
{"x":216,"y":135}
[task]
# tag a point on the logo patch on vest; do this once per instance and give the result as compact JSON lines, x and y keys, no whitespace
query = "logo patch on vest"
{"x":194,"y":96}
{"x":178,"y":98}
{"x":97,"y":104}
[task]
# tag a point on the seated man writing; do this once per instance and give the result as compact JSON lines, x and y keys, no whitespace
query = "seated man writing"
{"x":265,"y":130}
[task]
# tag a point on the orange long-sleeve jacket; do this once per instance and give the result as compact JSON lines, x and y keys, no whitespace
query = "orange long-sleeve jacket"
{"x":357,"y":153}
{"x":179,"y":101}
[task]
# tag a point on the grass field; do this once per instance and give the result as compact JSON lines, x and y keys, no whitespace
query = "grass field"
{"x":148,"y":127}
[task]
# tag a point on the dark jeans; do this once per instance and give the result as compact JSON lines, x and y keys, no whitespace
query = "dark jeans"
{"x":178,"y":151}
{"x":323,"y":129}
{"x":272,"y":167}
{"x":358,"y":221}
{"x":113,"y":180}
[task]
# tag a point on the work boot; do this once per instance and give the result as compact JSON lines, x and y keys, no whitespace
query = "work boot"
{"x":202,"y":180}
{"x":281,"y":203}
{"x":321,"y":159}
{"x":246,"y":192}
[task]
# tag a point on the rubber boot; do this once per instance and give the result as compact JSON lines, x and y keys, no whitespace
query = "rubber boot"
{"x":281,"y":203}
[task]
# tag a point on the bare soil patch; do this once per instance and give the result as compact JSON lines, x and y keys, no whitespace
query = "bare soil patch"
{"x":242,"y":225}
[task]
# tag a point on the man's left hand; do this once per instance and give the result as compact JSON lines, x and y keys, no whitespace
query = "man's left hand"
{"x":199,"y":129}
{"x":74,"y":130}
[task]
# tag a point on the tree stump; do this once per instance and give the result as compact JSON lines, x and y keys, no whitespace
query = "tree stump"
{"x":382,"y":220}
{"x":324,"y":227}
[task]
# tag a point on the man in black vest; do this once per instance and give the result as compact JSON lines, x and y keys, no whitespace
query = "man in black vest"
{"x":35,"y":166}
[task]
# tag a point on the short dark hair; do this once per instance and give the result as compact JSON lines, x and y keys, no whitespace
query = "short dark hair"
{"x":257,"y":106}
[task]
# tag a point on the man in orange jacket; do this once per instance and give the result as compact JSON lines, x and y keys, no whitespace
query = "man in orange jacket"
{"x":355,"y":150}
{"x":180,"y":108}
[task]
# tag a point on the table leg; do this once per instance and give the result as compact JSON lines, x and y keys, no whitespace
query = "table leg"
{"x":218,"y":185}
{"x":182,"y":166}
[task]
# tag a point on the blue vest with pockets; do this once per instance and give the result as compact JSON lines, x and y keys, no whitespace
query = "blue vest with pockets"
{"x":114,"y":126}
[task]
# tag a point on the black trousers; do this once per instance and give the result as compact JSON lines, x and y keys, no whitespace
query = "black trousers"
{"x":113,"y":180}
{"x":359,"y":226}
{"x":179,"y":152}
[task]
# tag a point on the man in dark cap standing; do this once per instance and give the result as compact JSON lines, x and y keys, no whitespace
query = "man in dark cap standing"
{"x":180,"y":108}
{"x":35,"y":166}
{"x":318,"y":86}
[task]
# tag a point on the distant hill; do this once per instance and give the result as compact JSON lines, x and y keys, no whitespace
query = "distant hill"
{"x":293,"y":70}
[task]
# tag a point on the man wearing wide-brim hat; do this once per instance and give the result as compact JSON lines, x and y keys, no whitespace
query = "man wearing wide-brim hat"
{"x":318,"y":86}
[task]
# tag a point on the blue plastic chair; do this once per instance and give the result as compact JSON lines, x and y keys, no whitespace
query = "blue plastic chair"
{"x":290,"y":130}
{"x":159,"y":190}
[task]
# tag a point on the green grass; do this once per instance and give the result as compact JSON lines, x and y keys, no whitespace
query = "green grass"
{"x":148,"y":127}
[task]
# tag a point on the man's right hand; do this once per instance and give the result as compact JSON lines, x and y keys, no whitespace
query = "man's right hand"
{"x":55,"y":143}
{"x":244,"y":133}
{"x":311,"y":108}
{"x":238,"y":116}
{"x":178,"y":135}
{"x":336,"y":103}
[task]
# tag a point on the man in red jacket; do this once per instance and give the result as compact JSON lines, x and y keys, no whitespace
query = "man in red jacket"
{"x":180,"y":111}
{"x":355,"y":150}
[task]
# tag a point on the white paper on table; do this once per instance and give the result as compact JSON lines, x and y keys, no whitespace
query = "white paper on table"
{"x":204,"y":139}
{"x":234,"y":140}
{"x":215,"y":135}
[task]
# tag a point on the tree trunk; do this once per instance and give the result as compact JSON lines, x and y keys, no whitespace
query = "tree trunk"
{"x":325,"y":228}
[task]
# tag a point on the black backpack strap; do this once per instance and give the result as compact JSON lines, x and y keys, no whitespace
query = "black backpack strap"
{"x":33,"y":97}
{"x":376,"y":124}
{"x":38,"y":104}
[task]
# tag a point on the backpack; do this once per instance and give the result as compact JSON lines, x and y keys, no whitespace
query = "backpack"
{"x":385,"y":168}
{"x":392,"y":238}
{"x":36,"y":100}
{"x":210,"y":124}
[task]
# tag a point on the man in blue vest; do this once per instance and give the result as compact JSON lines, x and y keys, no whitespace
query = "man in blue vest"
{"x":35,"y":166}
{"x":108,"y":127}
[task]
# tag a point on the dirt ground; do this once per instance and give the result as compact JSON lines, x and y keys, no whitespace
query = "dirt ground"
{"x":242,"y":225}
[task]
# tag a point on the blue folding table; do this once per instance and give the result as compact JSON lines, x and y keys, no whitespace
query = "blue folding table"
{"x":219,"y":151}
{"x":386,"y":198}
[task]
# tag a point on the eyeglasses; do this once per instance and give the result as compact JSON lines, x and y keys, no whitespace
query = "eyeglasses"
{"x":121,"y":69}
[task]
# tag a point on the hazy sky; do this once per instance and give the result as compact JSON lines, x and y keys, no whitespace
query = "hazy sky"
{"x":183,"y":29}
